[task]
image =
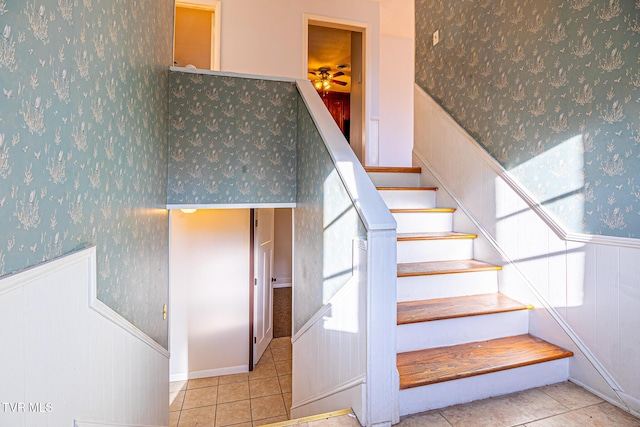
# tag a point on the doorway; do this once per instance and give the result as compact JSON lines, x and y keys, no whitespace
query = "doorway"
{"x":196,"y":41}
{"x":335,"y":63}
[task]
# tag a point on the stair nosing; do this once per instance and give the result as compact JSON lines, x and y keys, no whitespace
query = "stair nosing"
{"x":480,"y":268}
{"x":513,"y":308}
{"x":391,"y":169}
{"x":423,"y":210}
{"x":561,"y":353}
{"x":410,"y":237}
{"x":407,"y":188}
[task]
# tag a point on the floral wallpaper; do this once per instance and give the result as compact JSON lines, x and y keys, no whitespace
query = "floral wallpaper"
{"x":326,"y":222}
{"x":232,"y":140}
{"x":83,"y":143}
{"x":551,"y":89}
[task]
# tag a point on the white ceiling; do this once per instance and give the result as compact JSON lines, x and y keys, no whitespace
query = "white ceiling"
{"x":330,"y":47}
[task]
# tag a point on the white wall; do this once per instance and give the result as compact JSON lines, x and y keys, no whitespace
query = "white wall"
{"x":209,"y":293}
{"x":396,"y":81}
{"x":282,"y":245}
{"x":69,"y":355}
{"x":266,"y":38}
{"x":586,"y":287}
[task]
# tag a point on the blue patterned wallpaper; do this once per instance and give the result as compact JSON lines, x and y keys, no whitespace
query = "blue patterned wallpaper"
{"x":232,"y":140}
{"x":551,"y":89}
{"x":83,"y":143}
{"x":326,"y":222}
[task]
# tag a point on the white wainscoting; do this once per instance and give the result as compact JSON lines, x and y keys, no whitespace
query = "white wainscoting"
{"x":69,"y":359}
{"x":329,"y":352}
{"x":587,"y":287}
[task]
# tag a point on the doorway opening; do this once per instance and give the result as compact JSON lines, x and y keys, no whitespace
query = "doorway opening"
{"x":335,"y":63}
{"x":196,"y":40}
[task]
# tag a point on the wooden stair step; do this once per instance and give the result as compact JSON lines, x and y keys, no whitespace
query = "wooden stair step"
{"x":444,"y":267}
{"x":392,"y":169}
{"x":407,"y":188}
{"x":421,"y":210}
{"x":424,"y":367}
{"x":455,"y":307}
{"x":437,"y":235}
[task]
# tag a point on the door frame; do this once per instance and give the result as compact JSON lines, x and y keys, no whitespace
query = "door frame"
{"x":369,"y":152}
{"x":215,"y":7}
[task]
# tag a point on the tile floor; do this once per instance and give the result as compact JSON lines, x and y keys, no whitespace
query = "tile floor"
{"x":241,"y":400}
{"x":557,"y":405}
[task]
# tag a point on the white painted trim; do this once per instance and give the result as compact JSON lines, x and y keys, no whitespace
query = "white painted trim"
{"x":183,"y":376}
{"x":215,"y":46}
{"x":282,"y":285}
{"x":529,"y":198}
{"x":342,"y":387}
{"x":23,"y":277}
{"x":77,"y":423}
{"x":550,"y":309}
{"x":108,"y":313}
{"x":370,"y":207}
{"x":231,"y":74}
{"x":625,"y":397}
{"x":231,"y":206}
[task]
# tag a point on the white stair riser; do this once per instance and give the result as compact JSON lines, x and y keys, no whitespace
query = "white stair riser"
{"x":435,"y":250}
{"x":387,"y":179}
{"x":423,"y":222}
{"x":408,"y":199}
{"x":443,"y":333}
{"x":465,"y":390}
{"x":446,"y":285}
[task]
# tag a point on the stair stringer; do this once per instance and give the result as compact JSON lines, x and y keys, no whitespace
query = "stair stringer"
{"x":544,"y":321}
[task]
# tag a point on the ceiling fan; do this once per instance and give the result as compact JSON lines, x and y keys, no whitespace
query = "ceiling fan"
{"x":324,"y":79}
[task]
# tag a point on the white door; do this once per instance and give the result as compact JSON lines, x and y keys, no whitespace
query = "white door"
{"x":263,"y":286}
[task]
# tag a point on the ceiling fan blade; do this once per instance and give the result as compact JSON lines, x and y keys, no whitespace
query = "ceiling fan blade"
{"x":338,"y":74}
{"x":338,"y":82}
{"x":313,"y":72}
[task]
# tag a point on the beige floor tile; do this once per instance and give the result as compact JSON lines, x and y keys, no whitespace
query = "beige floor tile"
{"x":234,"y":378}
{"x":264,"y":387}
{"x":287,"y":402}
{"x":177,"y":386}
{"x":283,"y":367}
{"x":263,"y":370}
{"x":233,"y":413}
{"x":247,"y":424}
{"x":431,"y":419}
{"x":280,"y":342}
{"x":270,"y":421}
{"x":281,"y":353}
{"x":509,"y":410}
{"x":175,"y":401}
{"x":285,"y":383}
{"x":571,"y":395}
{"x":600,"y":415}
{"x":173,"y":419}
{"x":198,"y":397}
{"x":233,"y":392}
{"x":349,"y":420}
{"x":267,"y":407}
{"x":200,"y":417}
{"x":266,"y":356}
{"x":203,"y":382}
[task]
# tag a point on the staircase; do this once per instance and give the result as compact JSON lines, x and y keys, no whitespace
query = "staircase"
{"x":457,"y":338}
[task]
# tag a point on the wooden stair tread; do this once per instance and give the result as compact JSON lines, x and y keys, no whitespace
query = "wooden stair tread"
{"x":434,"y":235}
{"x":407,"y":188}
{"x":421,"y":210}
{"x":444,"y":267}
{"x":392,"y":169}
{"x":423,"y":367}
{"x":455,"y":307}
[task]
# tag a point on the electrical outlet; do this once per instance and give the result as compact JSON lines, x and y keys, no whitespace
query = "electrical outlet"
{"x":436,"y":37}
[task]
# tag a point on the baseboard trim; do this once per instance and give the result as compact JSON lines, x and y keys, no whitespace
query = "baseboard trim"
{"x":209,"y":373}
